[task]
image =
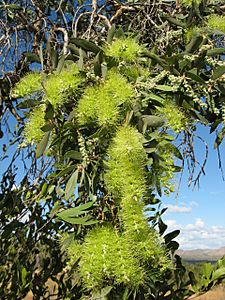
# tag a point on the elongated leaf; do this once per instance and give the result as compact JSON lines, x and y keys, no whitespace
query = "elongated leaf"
{"x":195,"y":77}
{"x":175,"y":21}
{"x":54,"y":56}
{"x":170,"y":236}
{"x":73,"y":49}
{"x":11,"y":6}
{"x":80,"y":62}
{"x":61,"y":64}
{"x":85,"y":45}
{"x":111,"y":34}
{"x":155,"y":57}
{"x":156,"y":97}
{"x":207,"y":270}
{"x":66,"y":170}
{"x":71,"y":184}
{"x":97,"y":64}
{"x":41,"y":147}
{"x":219,"y":138}
{"x":47,"y":127}
{"x":80,"y":220}
{"x":166,"y":88}
{"x":218,"y":72}
{"x":75,"y":211}
{"x":194,"y":44}
{"x":28,"y":103}
{"x":215,"y":51}
{"x":105,"y":291}
{"x":162,"y":226}
{"x":218,"y":274}
{"x":73,"y":154}
{"x":31,"y":57}
{"x":152,"y":121}
{"x":172,"y":245}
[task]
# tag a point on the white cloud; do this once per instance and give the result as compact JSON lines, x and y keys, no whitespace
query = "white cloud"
{"x":178,"y":209}
{"x":196,"y":235}
{"x":194,"y":203}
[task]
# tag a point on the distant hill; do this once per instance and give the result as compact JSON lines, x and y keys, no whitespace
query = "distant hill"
{"x":202,"y":254}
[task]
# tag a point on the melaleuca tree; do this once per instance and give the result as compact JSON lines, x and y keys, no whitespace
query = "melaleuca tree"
{"x":113,"y":88}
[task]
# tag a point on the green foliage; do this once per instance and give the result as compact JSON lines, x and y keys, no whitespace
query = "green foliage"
{"x":103,"y":113}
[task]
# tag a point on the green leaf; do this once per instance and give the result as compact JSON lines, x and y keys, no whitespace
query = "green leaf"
{"x":111,"y":34}
{"x":61,"y":64}
{"x":47,"y":127}
{"x":171,"y":235}
{"x":207,"y":270}
{"x":172,"y":245}
{"x":215,"y":51}
{"x":75,"y":211}
{"x":218,"y":274}
{"x":80,"y":62}
{"x":162,"y":226}
{"x":218,"y":72}
{"x":42,"y":145}
{"x":73,"y":49}
{"x":194,"y":44}
{"x":54,"y":56}
{"x":80,"y":220}
{"x":11,"y":6}
{"x":97,"y":64}
{"x":219,"y":138}
{"x":49,"y":111}
{"x":166,"y":88}
{"x":155,"y":57}
{"x":28,"y":103}
{"x":152,"y":121}
{"x":191,"y":74}
{"x":85,"y":45}
{"x":159,"y":100}
{"x":73,"y":154}
{"x":31,"y":57}
{"x":66,"y":170}
{"x":105,"y":291}
{"x":71,"y":184}
{"x":174,"y":21}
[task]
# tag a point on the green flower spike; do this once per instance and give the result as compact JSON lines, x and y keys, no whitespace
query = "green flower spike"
{"x":102,"y":103}
{"x":105,"y":256}
{"x":126,"y":163}
{"x":27,"y":85}
{"x":124,"y":49}
{"x":176,"y":119}
{"x":32,"y":130}
{"x":217,"y":22}
{"x":57,"y":87}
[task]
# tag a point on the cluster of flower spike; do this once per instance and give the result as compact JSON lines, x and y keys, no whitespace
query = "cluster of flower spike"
{"x":56,"y":90}
{"x":107,"y":254}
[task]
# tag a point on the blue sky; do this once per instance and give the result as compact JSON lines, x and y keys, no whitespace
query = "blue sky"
{"x":200,"y":213}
